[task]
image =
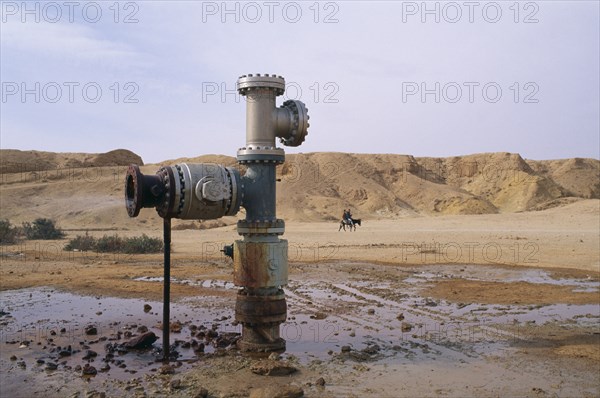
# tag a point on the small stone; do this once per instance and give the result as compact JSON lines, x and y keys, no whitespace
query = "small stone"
{"x":166,"y":370}
{"x":105,"y":368}
{"x":201,"y":393}
{"x":175,"y":327}
{"x":99,"y":313}
{"x":13,"y":357}
{"x":272,"y":368}
{"x":371,"y":311}
{"x":88,"y":370}
{"x":142,"y":329}
{"x":142,"y":341}
{"x":91,"y":330}
{"x":274,"y":356}
{"x":352,"y":334}
{"x":400,"y":316}
{"x":89,"y":354}
{"x":406,"y":327}
{"x":21,"y":364}
{"x":320,"y":382}
{"x":147,"y":308}
{"x":51,"y":366}
{"x":175,"y":384}
{"x":346,"y":348}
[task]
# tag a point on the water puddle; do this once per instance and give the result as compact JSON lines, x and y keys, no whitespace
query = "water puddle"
{"x":206,"y":283}
{"x":45,"y":333}
{"x":498,"y":274}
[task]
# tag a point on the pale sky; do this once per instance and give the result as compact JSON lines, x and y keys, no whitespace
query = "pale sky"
{"x":158,"y":77}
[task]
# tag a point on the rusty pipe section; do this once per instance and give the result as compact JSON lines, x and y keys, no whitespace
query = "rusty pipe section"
{"x":209,"y":191}
{"x":261,"y":258}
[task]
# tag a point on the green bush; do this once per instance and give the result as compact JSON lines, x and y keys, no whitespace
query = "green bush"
{"x":142,"y":244}
{"x":82,"y":243}
{"x":109,"y":244}
{"x":116,"y":244}
{"x":8,"y":233}
{"x":42,"y":228}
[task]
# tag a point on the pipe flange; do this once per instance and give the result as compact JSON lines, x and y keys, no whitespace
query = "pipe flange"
{"x":181,"y":178}
{"x":249,"y":82}
{"x":258,"y":154}
{"x":276,"y":227}
{"x":299,"y":124}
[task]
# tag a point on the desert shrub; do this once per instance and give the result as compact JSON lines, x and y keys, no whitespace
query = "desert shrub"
{"x":42,"y":228}
{"x":142,"y":244}
{"x":8,"y":233}
{"x":116,"y":244}
{"x":109,"y":244}
{"x":82,"y":243}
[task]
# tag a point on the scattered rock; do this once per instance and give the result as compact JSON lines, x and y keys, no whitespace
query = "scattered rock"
{"x":166,"y":370}
{"x":175,"y":384}
{"x":346,"y":348}
{"x":142,"y":341}
{"x":95,"y":394}
{"x":21,"y":364}
{"x":274,"y":356}
{"x":406,"y":327}
{"x":147,"y":308}
{"x":272,"y":368}
{"x":201,"y":393}
{"x":371,"y":349}
{"x":64,"y":353}
{"x":88,"y":370}
{"x":142,"y":329}
{"x":371,"y":311}
{"x":175,"y":327}
{"x":51,"y":366}
{"x":277,"y":392}
{"x":226,"y":339}
{"x":91,"y":330}
{"x":89,"y":354}
{"x":430,"y":303}
{"x":318,"y":315}
{"x":400,"y":316}
{"x":320,"y":382}
{"x":105,"y":368}
{"x":199,"y":348}
{"x":13,"y":357}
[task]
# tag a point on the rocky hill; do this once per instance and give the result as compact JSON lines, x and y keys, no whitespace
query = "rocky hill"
{"x":86,"y":190}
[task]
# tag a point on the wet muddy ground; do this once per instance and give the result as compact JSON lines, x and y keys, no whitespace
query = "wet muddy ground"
{"x":353,"y":329}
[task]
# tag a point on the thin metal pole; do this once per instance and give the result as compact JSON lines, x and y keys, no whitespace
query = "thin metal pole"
{"x":166,"y":286}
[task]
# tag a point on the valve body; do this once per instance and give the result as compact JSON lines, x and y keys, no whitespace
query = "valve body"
{"x":208,"y":191}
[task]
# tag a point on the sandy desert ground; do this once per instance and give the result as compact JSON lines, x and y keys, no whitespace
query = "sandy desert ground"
{"x":443,"y":291}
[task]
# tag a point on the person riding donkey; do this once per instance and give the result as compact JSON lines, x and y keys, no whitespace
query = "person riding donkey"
{"x":347,"y":217}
